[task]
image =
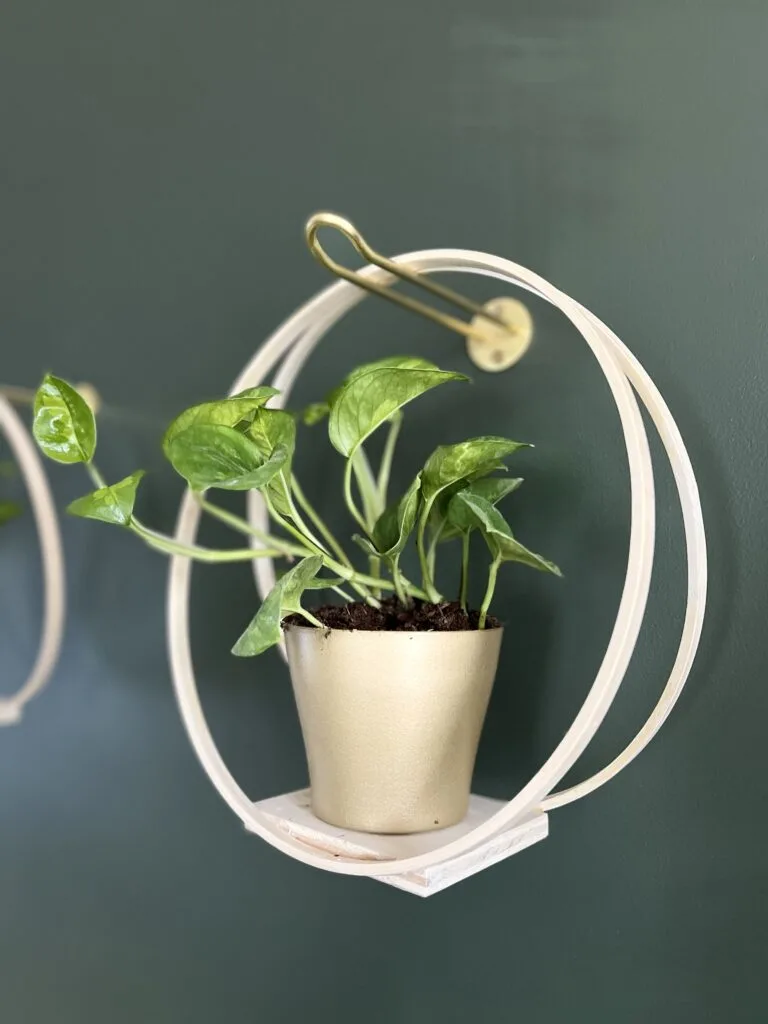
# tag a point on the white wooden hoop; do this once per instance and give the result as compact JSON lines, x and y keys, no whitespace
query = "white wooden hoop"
{"x":44,"y":510}
{"x":293,"y":341}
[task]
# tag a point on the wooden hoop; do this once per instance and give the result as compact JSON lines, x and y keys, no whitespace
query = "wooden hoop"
{"x":293,"y":342}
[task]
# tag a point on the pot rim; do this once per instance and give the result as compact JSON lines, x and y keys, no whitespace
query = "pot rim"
{"x":490,"y":630}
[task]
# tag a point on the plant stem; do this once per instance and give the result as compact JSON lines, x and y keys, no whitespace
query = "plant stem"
{"x":347,"y":572}
{"x":489,"y":592}
{"x":311,"y":618}
{"x":318,"y":522}
{"x":348,"y":499}
{"x":95,"y":475}
{"x":359,"y":582}
{"x":426,"y":579}
{"x":297,"y":517}
{"x":308,"y":545}
{"x":355,"y":580}
{"x":432,"y":549}
{"x":368,"y":488}
{"x":464,"y":584}
{"x":374,"y":568}
{"x":385,"y":467}
{"x":242,"y":526}
{"x":160,"y":542}
{"x":397,"y":579}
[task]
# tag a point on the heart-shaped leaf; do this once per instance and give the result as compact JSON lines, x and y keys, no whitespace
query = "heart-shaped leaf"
{"x":9,"y":510}
{"x":63,"y":425}
{"x":467,"y":460}
{"x":371,"y":395}
{"x":111,"y":504}
{"x":227,"y":412}
{"x":283,"y":599}
{"x":273,"y":430}
{"x":211,"y":455}
{"x":456,"y":465}
{"x":492,"y":488}
{"x":315,"y":412}
{"x":472,"y":511}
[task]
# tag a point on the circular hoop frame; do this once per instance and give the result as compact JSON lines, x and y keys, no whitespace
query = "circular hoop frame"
{"x":53,"y":562}
{"x":294,"y":341}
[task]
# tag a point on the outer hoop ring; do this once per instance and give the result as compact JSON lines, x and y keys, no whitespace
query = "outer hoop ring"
{"x":300,"y":333}
{"x":52,"y":557}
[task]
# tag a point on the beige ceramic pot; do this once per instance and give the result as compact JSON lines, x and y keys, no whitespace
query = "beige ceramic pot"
{"x":391,"y":722}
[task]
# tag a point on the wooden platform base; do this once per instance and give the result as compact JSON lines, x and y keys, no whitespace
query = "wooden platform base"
{"x":292,"y":813}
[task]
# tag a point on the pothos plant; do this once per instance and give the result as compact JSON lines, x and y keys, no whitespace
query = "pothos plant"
{"x":240,"y":443}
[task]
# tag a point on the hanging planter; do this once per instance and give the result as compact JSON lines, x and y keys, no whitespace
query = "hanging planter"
{"x":391,"y":716}
{"x":44,"y":510}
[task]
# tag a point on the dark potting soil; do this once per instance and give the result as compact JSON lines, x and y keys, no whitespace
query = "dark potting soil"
{"x":393,"y":617}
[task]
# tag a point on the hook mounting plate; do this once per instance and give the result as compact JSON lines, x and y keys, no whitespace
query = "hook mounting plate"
{"x":494,"y":348}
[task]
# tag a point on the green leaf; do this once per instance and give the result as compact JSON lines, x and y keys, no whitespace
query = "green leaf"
{"x":371,"y":395}
{"x":455,"y":465}
{"x":318,"y":583}
{"x":227,"y":412}
{"x":468,"y":460}
{"x":111,"y":504}
{"x":63,"y":425}
{"x":9,"y":510}
{"x":493,"y":489}
{"x":395,"y":525}
{"x":367,"y":546}
{"x":401,"y":362}
{"x":211,"y":455}
{"x":273,"y":430}
{"x":324,"y":582}
{"x":315,"y":413}
{"x":284,"y":598}
{"x":472,"y":511}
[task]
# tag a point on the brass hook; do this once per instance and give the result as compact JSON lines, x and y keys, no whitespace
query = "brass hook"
{"x":350,"y":232}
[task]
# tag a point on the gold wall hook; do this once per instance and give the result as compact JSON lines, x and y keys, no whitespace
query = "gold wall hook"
{"x":495,"y":340}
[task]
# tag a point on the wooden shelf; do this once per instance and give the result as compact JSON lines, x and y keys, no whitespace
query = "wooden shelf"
{"x":292,"y":814}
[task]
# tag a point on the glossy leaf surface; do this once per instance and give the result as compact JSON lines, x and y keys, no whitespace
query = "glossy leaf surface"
{"x":264,"y":630}
{"x":64,"y":425}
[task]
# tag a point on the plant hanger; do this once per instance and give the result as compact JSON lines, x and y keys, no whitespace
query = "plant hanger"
{"x":46,"y":520}
{"x":424,"y":864}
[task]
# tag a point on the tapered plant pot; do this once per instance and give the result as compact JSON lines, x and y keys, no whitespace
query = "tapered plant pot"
{"x":391,"y":722}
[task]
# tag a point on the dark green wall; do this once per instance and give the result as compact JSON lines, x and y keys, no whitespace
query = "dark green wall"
{"x":157,"y":162}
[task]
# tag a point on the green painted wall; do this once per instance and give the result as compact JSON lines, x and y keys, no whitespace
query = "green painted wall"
{"x":158,"y":160}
